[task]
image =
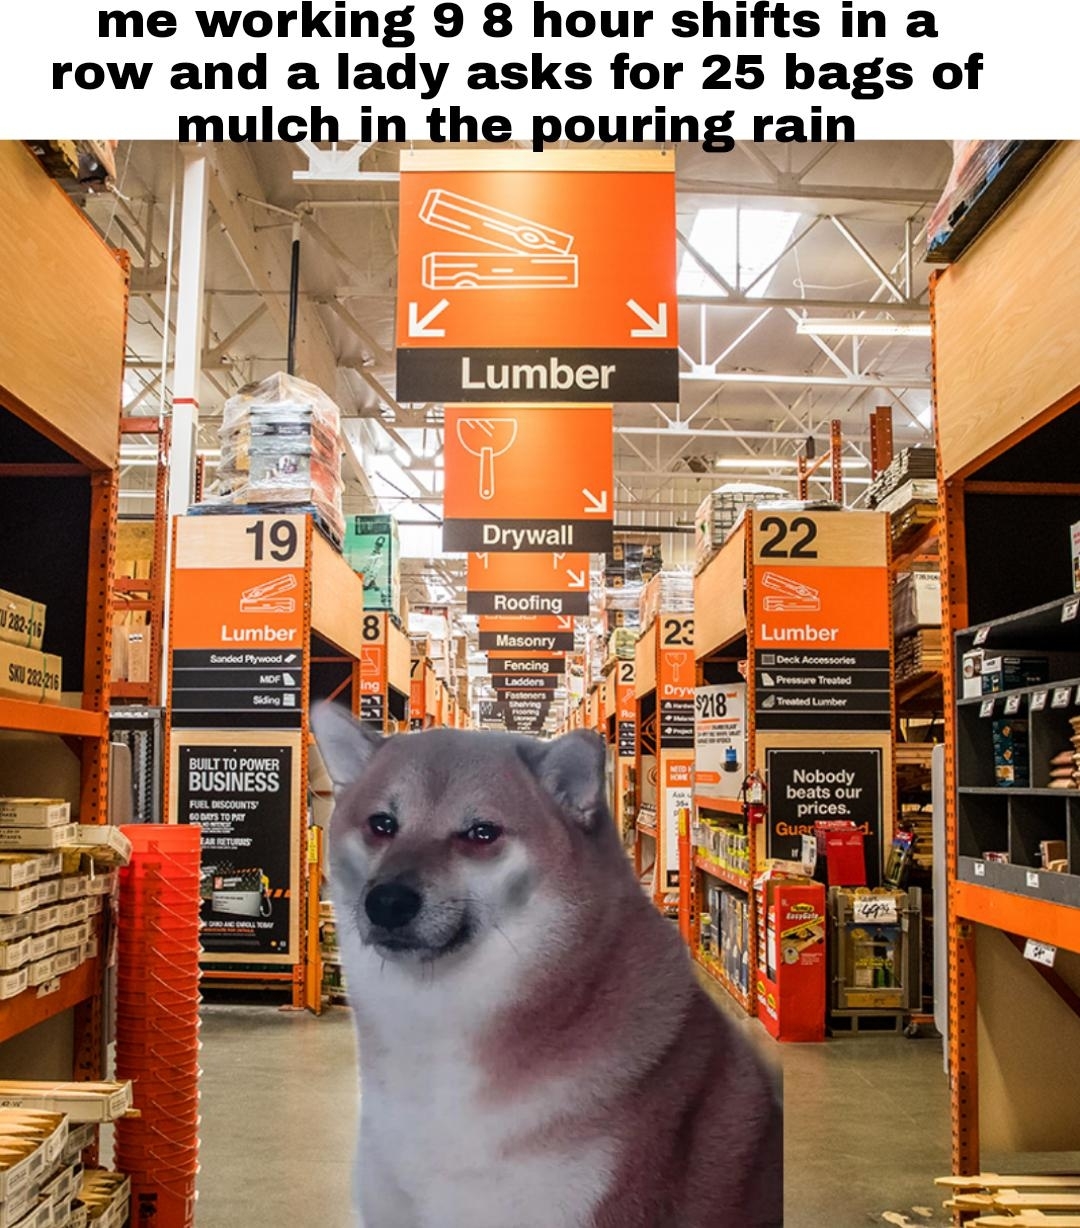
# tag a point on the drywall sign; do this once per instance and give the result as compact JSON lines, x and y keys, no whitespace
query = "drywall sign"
{"x":238,"y":619}
{"x":822,"y":621}
{"x":720,"y":739}
{"x":531,"y":278}
{"x":544,"y":633}
{"x":535,"y":480}
{"x":243,"y":797}
{"x":805,"y":786}
{"x":518,"y":584}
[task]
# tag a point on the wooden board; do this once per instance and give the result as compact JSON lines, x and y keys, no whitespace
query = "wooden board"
{"x":645,"y":662}
{"x":720,"y":597}
{"x":63,"y":314}
{"x":337,"y":598}
{"x":1003,"y":343}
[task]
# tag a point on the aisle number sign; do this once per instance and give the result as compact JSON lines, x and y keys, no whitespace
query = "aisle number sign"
{"x":676,"y":676}
{"x":537,"y":278}
{"x":537,"y":480}
{"x":238,"y":626}
{"x":626,"y":709}
{"x":553,"y":583}
{"x":822,"y":619}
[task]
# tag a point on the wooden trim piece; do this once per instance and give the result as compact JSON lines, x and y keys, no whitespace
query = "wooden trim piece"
{"x":1002,"y":372}
{"x":720,"y":597}
{"x":337,"y":605}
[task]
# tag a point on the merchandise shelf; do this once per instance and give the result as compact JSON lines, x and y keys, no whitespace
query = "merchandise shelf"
{"x":28,"y":1009}
{"x":719,"y":805}
{"x":715,"y":970}
{"x":1007,"y":421}
{"x":733,"y":878}
{"x":52,"y":718}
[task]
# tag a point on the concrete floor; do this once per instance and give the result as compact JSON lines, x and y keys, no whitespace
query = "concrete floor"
{"x":866,"y":1124}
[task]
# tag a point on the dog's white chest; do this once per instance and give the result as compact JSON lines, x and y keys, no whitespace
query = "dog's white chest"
{"x":435,"y":1153}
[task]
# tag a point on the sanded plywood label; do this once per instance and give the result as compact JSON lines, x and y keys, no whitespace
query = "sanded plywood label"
{"x":528,"y":481}
{"x":822,"y":621}
{"x":555,"y":583}
{"x":525,"y":283}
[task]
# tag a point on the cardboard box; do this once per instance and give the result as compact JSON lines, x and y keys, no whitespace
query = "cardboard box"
{"x":42,"y":919}
{"x":44,"y":945}
{"x":12,"y":928}
{"x":82,"y":1102}
{"x":41,"y":971}
{"x":49,"y":1129}
{"x":13,"y":983}
{"x":38,"y":837}
{"x":72,"y":937}
{"x":138,"y":654}
{"x":14,"y":954}
{"x":19,"y":869}
{"x":48,"y":891}
{"x":105,"y":842}
{"x":14,"y":900}
{"x":34,"y":811}
{"x":971,"y":673}
{"x":916,"y":601}
{"x":29,"y":674}
{"x":22,"y":621}
{"x":1006,"y":672}
{"x":66,"y":961}
{"x":372,"y":549}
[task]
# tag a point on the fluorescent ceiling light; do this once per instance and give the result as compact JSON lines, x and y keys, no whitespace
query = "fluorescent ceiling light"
{"x":782,"y":462}
{"x":762,"y":236}
{"x":863,"y":328}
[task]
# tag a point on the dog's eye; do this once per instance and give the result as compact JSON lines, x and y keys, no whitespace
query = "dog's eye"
{"x":482,"y":833}
{"x":383,"y":824}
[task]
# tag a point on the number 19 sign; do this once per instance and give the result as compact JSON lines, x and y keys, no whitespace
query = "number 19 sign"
{"x":238,"y":622}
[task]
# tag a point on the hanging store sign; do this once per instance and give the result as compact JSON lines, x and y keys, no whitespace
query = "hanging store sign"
{"x":823,"y":621}
{"x":238,"y":624}
{"x":529,"y":279}
{"x":499,"y":663}
{"x":532,"y":635}
{"x":528,"y":481}
{"x":675,"y":681}
{"x":512,"y":584}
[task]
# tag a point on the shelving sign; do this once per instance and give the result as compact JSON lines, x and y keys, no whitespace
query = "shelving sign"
{"x":537,"y":280}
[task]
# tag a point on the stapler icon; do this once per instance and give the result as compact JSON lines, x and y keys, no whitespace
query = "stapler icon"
{"x":789,"y":594}
{"x":530,"y":255}
{"x":269,"y":597}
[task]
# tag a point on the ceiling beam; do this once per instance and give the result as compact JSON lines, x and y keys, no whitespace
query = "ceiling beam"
{"x":791,"y":187}
{"x":704,"y":376}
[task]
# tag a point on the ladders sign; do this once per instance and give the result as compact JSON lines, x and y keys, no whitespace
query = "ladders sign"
{"x":555,"y":583}
{"x":822,"y":611}
{"x":238,"y":622}
{"x":530,"y":279}
{"x":528,"y":481}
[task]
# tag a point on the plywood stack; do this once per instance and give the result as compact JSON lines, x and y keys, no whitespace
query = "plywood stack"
{"x":919,"y":653}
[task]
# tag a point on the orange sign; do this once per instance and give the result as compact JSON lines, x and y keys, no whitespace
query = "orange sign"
{"x":529,"y":278}
{"x":821,"y":607}
{"x":536,"y":480}
{"x":372,"y":669}
{"x":243,"y":608}
{"x":528,"y":583}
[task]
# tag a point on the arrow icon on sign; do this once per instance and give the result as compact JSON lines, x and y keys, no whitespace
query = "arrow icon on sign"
{"x":595,"y":505}
{"x":577,"y":578}
{"x":655,"y":326}
{"x":566,"y":622}
{"x":418,"y":325}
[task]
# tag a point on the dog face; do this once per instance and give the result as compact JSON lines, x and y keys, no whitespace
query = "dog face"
{"x":441,"y":839}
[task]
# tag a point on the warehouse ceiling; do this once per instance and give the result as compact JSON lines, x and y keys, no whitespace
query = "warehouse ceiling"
{"x":767,"y":234}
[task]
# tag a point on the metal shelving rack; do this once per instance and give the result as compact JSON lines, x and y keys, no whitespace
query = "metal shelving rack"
{"x":61,"y":368}
{"x":1007,"y":398}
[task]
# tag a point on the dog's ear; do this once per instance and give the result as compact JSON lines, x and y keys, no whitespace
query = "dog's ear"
{"x":345,"y":745}
{"x":571,"y":769}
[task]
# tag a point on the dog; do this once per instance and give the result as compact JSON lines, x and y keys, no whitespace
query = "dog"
{"x":535,"y":1051}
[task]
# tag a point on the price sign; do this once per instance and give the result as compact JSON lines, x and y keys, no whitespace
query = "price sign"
{"x":981,"y":636}
{"x":1069,"y":610}
{"x":874,"y":910}
{"x":1040,"y":953}
{"x":980,"y":869}
{"x":1062,"y":697}
{"x":1032,"y":879}
{"x":1038,"y":701}
{"x":987,"y":708}
{"x":1012,"y":705}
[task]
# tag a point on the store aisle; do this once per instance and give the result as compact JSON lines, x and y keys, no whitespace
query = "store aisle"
{"x":867,"y":1124}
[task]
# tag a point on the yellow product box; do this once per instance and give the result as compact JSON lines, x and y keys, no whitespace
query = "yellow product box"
{"x":22,"y":621}
{"x":82,"y":1102}
{"x":14,"y":954}
{"x":13,"y":983}
{"x":27,"y":673}
{"x":34,"y":811}
{"x":38,"y":837}
{"x":15,"y":900}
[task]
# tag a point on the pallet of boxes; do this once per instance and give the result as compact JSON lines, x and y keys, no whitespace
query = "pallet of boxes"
{"x":26,"y":672}
{"x":45,"y":1130}
{"x":57,"y":883}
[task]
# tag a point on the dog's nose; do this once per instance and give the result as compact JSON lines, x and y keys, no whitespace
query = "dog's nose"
{"x":392,"y":905}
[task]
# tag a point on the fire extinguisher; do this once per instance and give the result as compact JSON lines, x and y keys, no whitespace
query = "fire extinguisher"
{"x":752,"y":796}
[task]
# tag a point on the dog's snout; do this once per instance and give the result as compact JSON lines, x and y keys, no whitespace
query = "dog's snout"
{"x":392,"y":905}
